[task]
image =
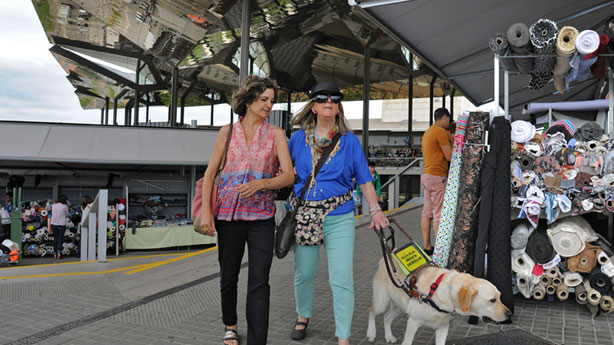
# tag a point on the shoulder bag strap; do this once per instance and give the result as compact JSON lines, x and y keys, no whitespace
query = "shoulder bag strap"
{"x":321,"y":161}
{"x":223,"y":162}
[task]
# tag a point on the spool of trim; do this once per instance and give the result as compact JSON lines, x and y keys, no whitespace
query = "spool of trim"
{"x":122,"y":227}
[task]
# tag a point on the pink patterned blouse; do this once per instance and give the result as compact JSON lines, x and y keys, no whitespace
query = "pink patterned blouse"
{"x":245,"y":164}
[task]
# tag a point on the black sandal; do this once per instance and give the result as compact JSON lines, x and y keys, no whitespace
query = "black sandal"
{"x":299,"y":334}
{"x":230,"y":335}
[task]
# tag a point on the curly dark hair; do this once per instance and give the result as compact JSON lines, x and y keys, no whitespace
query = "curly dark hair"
{"x":251,"y":88}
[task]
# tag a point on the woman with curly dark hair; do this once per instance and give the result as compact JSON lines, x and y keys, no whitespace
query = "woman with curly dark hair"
{"x":244,"y":208}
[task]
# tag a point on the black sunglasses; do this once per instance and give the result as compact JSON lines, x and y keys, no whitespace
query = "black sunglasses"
{"x":322,"y":98}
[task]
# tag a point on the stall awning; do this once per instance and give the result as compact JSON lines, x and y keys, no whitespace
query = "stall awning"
{"x":452,"y":38}
{"x":105,"y":144}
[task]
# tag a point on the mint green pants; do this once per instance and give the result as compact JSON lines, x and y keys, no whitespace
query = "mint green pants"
{"x":339,"y":245}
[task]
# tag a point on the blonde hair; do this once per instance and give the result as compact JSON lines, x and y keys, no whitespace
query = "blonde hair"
{"x":252,"y":87}
{"x":305,"y":118}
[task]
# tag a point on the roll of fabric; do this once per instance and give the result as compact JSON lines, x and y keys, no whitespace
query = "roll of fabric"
{"x":527,"y":161}
{"x":550,"y":289}
{"x":498,"y":43}
{"x":553,"y":272}
{"x":607,"y":267}
{"x":562,"y":292}
{"x":600,"y":281}
{"x":572,"y":279}
{"x":581,"y":294}
{"x":494,"y":232}
{"x":519,"y":40}
{"x":544,"y":280}
{"x":122,"y":227}
{"x":539,"y":292}
{"x":524,"y":285}
{"x":539,"y":247}
{"x":543,"y":38}
{"x":448,"y":211}
{"x":585,"y":261}
{"x":565,"y":47}
{"x":520,"y":236}
{"x":599,"y":68}
{"x":522,"y":263}
{"x":569,"y":235}
{"x":606,"y":304}
{"x":467,"y":214}
{"x":587,"y":43}
{"x":522,"y":131}
{"x":556,"y":281}
{"x":593,"y":295}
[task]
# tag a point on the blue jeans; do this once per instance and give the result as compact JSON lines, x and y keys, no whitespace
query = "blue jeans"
{"x":58,"y":237}
{"x":339,"y":234}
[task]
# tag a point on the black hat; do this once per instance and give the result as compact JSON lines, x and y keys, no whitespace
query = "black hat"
{"x":327,"y":87}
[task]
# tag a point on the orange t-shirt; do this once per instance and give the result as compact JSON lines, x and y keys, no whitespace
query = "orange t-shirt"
{"x":435,"y":163}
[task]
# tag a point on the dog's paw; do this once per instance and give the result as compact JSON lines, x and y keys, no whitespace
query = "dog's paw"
{"x":391,"y":339}
{"x":371,"y":334}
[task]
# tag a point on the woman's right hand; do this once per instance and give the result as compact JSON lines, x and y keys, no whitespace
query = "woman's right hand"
{"x":207,"y":224}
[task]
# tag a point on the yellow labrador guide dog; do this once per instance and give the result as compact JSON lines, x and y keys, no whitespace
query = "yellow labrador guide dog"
{"x":432,"y":296}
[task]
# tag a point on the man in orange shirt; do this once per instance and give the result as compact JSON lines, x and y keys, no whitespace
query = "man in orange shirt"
{"x":437,"y":152}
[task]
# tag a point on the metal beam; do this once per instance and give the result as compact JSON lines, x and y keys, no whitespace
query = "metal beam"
{"x":106,"y":107}
{"x":245,"y":25}
{"x":410,"y":103}
{"x":431,"y":105}
{"x":137,"y":96}
{"x":366,"y":96}
{"x":102,"y":116}
{"x":147,"y":108}
{"x":183,"y":97}
{"x":174,"y":94}
{"x":115,"y":99}
{"x":452,"y":102}
{"x":212,"y":104}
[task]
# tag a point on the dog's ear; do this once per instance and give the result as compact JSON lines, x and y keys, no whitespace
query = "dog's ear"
{"x":465,"y":296}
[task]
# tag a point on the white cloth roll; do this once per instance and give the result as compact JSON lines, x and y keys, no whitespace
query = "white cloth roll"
{"x":568,"y":235}
{"x":607,"y":266}
{"x":550,"y":289}
{"x":545,"y":280}
{"x":520,"y":236}
{"x":602,"y":258}
{"x":522,"y":263}
{"x":522,"y":131}
{"x":121,"y":207}
{"x":122,"y":216}
{"x":572,"y":279}
{"x":594,"y":296}
{"x":44,"y":213}
{"x":112,"y":208}
{"x":109,"y":224}
{"x":122,"y":227}
{"x":525,"y":286}
{"x":539,"y":292}
{"x":587,"y":42}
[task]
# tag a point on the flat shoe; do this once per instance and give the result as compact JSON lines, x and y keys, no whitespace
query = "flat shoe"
{"x":230,"y":335}
{"x":299,"y":334}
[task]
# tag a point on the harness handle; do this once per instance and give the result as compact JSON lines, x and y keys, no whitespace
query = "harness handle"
{"x":387,"y":252}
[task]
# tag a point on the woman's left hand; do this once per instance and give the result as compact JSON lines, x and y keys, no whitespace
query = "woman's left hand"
{"x":250,"y":188}
{"x":379,"y":220}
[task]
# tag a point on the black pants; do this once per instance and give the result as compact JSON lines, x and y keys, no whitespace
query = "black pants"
{"x":58,"y":237}
{"x":231,"y":237}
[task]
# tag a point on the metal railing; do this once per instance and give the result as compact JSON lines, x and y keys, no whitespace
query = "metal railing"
{"x":394,"y":183}
{"x":96,"y":216}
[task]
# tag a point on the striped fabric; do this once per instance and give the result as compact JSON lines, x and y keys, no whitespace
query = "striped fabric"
{"x":245,"y":164}
{"x":448,"y":212}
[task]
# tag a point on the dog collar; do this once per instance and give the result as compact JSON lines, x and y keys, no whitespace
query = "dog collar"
{"x":412,"y":290}
{"x":435,"y":285}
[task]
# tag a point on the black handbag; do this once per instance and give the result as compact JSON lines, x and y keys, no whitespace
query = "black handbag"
{"x":284,"y":236}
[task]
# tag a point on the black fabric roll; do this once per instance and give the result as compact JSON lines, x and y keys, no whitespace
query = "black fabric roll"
{"x":498,"y":44}
{"x":495,"y":232}
{"x":600,"y":281}
{"x":543,"y":38}
{"x":539,"y":247}
{"x":605,"y":245}
{"x":519,"y":41}
{"x":527,"y":161}
{"x":462,"y":250}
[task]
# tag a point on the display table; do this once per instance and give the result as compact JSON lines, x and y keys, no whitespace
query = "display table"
{"x":164,"y":237}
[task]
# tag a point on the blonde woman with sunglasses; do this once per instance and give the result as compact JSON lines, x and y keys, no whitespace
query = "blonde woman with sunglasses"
{"x":329,"y":203}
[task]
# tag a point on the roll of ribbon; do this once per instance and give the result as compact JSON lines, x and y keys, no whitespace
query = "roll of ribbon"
{"x":606,"y":304}
{"x":526,"y":161}
{"x":543,"y":37}
{"x":121,"y":207}
{"x":581,"y":294}
{"x":539,"y":247}
{"x":498,"y":43}
{"x":122,"y":227}
{"x":539,"y":292}
{"x":585,"y":261}
{"x":520,"y":236}
{"x":600,"y":281}
{"x":122,"y":216}
{"x":562,"y":292}
{"x":70,"y":234}
{"x":44,"y":213}
{"x":112,"y":208}
{"x":520,"y":44}
{"x":572,"y":279}
{"x":568,"y":235}
{"x":550,"y":289}
{"x":522,"y":263}
{"x":112,"y":228}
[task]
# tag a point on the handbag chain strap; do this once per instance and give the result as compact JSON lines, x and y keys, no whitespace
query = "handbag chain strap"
{"x":321,"y":161}
{"x":223,"y":162}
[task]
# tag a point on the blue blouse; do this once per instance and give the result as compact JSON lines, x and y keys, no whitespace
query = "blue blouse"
{"x":336,"y":177}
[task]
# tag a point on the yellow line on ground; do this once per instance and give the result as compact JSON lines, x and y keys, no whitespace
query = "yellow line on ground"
{"x":158,"y":264}
{"x":74,"y":273}
{"x":89,"y":261}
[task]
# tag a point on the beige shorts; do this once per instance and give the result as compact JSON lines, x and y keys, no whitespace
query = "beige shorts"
{"x":434,"y":189}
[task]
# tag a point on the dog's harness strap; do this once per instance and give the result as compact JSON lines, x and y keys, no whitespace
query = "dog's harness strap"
{"x":435,"y":285}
